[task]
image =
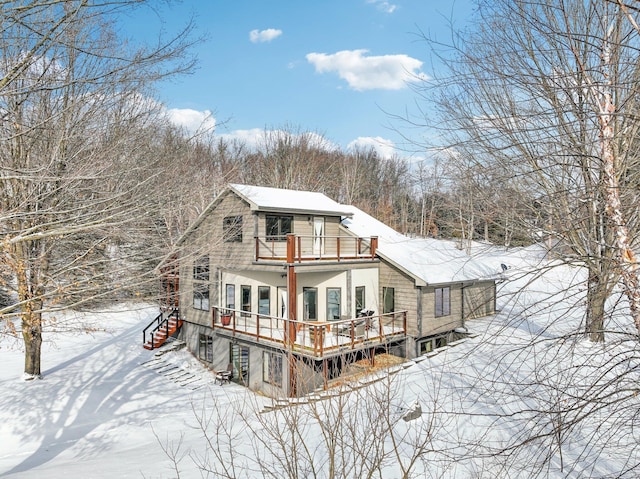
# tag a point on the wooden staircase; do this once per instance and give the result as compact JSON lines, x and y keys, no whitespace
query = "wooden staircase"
{"x":161,"y":329}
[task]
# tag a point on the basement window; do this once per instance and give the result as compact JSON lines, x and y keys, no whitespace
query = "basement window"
{"x":205,"y":348}
{"x":433,"y":343}
{"x":272,"y":368}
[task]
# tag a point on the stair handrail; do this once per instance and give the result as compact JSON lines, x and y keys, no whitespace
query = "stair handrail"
{"x":159,"y":321}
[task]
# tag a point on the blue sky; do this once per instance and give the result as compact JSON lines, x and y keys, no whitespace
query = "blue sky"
{"x":335,"y":67}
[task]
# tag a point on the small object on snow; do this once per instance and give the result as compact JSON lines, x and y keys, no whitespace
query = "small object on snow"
{"x":504,"y":267}
{"x":414,"y":413}
{"x":224,"y":376}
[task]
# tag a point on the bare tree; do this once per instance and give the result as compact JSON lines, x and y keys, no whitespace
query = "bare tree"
{"x":75,"y":174}
{"x":547,"y":94}
{"x":293,"y":159}
{"x":351,"y":432}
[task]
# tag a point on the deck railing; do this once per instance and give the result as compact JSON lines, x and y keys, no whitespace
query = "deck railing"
{"x":312,"y":338}
{"x":299,"y":248}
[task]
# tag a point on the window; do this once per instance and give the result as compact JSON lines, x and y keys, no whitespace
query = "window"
{"x":205,"y":348}
{"x":232,"y":229}
{"x":283,"y":302}
{"x":246,"y":299}
{"x":310,"y":303}
{"x":201,"y":268}
{"x":359,"y":299}
{"x":433,"y":343}
{"x":264,"y":300}
{"x":239,"y":359}
{"x":272,"y":368}
{"x":318,"y":235}
{"x":334,"y":295}
{"x":388,"y":300}
{"x":231,"y":296}
{"x":278,"y":227}
{"x":443,"y":302}
{"x":201,"y":296}
{"x":426,"y":346}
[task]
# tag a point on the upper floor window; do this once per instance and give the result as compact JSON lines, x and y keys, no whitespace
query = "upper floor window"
{"x":232,"y":229}
{"x":334,"y":299}
{"x":245,"y":296}
{"x":388,"y":300}
{"x":231,"y":296}
{"x":443,"y":302}
{"x":201,"y":296}
{"x":360,"y":295}
{"x":278,"y":227}
{"x":264,"y":300}
{"x":201,"y":268}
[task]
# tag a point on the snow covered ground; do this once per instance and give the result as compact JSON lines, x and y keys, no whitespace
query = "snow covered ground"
{"x":523,"y":397}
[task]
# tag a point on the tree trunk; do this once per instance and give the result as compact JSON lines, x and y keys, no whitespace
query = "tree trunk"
{"x":628,"y":263}
{"x":32,"y":335}
{"x":30,"y":293}
{"x":596,"y":297}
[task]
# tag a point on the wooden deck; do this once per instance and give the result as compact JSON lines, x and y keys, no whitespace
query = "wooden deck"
{"x":299,"y":248}
{"x":313,"y":338}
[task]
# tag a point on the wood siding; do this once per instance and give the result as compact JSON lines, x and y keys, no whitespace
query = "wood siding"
{"x":434,"y":325}
{"x":406,"y":298}
{"x":479,"y":299}
{"x":207,"y":240}
{"x":405,"y":293}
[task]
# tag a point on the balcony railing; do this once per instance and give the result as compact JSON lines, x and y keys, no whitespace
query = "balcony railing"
{"x":313,"y":338}
{"x":298,"y":248}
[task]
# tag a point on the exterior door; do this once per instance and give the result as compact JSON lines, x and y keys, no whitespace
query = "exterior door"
{"x":318,"y":235}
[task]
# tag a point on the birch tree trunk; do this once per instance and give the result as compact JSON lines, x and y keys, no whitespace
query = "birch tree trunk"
{"x":602,"y":95}
{"x":626,"y":256}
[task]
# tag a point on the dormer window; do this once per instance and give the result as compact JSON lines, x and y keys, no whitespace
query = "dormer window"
{"x":278,"y":227}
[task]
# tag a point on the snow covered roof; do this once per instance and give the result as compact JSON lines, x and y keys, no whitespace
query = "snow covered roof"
{"x":262,"y":198}
{"x":429,"y":261}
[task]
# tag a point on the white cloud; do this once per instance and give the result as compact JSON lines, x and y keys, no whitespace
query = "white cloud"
{"x":361,"y":72}
{"x":252,"y":138}
{"x":260,"y":36}
{"x":384,"y":6}
{"x":385,"y":148}
{"x":256,"y":138}
{"x":193,"y":121}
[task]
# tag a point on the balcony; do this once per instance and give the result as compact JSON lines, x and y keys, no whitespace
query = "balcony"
{"x":312,"y":338}
{"x":298,"y":248}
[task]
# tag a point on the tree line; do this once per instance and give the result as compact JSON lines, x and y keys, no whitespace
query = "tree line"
{"x":438,"y":196}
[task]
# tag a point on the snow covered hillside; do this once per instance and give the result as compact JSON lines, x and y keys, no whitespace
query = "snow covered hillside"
{"x":523,"y":397}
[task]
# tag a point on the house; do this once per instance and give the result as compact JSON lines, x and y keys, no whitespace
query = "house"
{"x":286,"y":289}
